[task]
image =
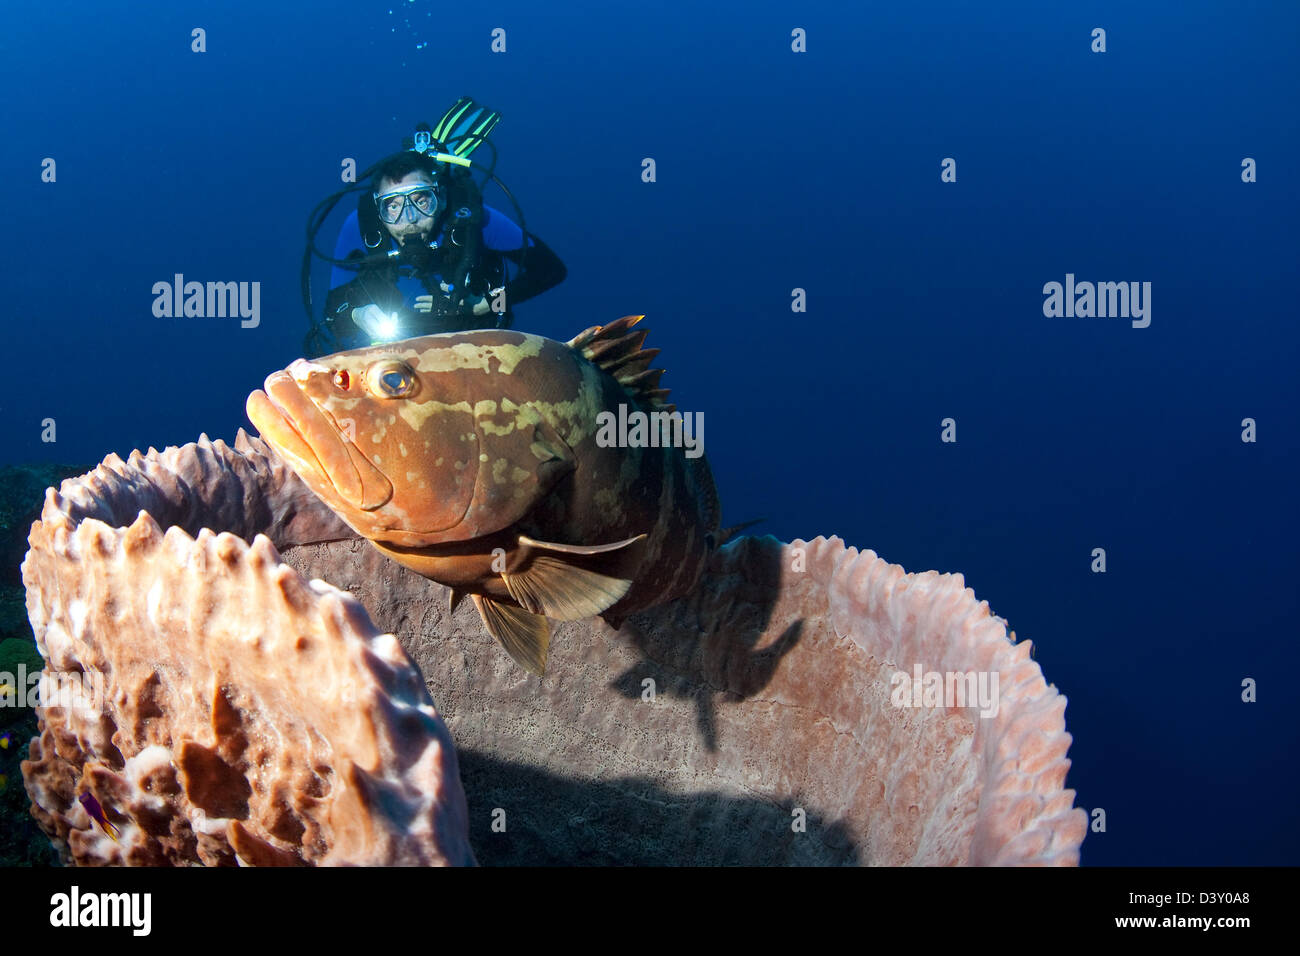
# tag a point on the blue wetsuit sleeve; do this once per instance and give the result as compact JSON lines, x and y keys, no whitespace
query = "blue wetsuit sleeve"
{"x":527,"y":274}
{"x":349,"y":240}
{"x":500,"y":232}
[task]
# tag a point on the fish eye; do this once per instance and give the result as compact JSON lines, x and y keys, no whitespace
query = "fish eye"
{"x":392,"y":380}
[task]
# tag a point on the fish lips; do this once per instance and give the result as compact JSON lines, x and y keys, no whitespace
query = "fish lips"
{"x":306,"y":434}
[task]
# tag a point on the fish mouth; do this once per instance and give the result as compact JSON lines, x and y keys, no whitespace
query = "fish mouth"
{"x":313,"y":443}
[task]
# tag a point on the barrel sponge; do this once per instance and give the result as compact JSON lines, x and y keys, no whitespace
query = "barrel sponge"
{"x":224,"y":711}
{"x":253,"y":714}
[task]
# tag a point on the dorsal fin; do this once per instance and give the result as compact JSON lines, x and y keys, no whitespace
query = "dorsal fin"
{"x":617,"y":350}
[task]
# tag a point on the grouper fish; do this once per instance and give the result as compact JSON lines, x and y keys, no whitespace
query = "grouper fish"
{"x":473,"y":458}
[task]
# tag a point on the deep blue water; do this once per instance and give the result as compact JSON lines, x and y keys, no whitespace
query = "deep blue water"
{"x":778,"y":170}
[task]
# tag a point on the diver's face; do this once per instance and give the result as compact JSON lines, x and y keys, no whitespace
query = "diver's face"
{"x":404,"y":229}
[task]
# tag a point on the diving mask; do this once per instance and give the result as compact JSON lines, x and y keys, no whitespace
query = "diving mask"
{"x":420,"y":199}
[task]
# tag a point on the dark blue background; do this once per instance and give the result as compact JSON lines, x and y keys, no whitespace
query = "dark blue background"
{"x":776,"y":171}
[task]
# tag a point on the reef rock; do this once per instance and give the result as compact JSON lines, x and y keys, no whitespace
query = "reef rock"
{"x":757,"y":720}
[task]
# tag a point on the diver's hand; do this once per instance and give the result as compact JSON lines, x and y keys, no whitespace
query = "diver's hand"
{"x":379,"y":325}
{"x":366,"y":315}
{"x":480,"y":305}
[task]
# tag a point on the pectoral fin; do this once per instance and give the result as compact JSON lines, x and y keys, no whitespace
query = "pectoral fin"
{"x":525,"y":636}
{"x":569,"y":582}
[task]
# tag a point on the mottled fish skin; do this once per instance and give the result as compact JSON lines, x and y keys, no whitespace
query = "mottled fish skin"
{"x":443,"y":448}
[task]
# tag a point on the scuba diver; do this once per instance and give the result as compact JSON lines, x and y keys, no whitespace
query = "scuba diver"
{"x":422,"y":253}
